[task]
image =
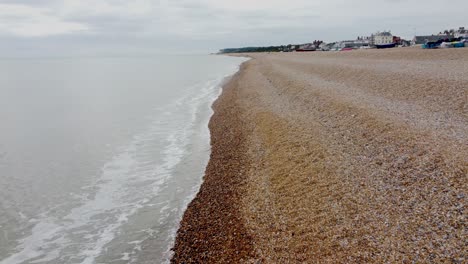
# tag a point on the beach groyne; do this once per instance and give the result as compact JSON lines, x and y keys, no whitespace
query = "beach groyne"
{"x":357,"y":157}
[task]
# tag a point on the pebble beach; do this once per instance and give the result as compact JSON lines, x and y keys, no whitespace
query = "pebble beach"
{"x":336,"y":157}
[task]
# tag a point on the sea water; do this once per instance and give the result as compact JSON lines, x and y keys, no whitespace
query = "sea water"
{"x":100,"y":156}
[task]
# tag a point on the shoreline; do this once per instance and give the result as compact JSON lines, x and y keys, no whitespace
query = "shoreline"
{"x":335,"y":157}
{"x":212,"y":220}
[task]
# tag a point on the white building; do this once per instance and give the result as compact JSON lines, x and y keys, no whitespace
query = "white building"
{"x":461,"y":33}
{"x":382,"y":38}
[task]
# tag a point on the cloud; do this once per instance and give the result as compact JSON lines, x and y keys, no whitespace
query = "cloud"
{"x":213,"y":24}
{"x":27,"y":21}
{"x":116,"y":8}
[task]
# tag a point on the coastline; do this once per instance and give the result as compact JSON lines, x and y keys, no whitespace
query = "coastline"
{"x":211,"y":229}
{"x":335,"y":157}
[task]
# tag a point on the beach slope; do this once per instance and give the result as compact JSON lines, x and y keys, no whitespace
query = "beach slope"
{"x":346,"y":157}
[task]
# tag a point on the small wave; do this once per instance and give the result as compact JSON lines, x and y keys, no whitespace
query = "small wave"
{"x":130,"y":181}
{"x":119,"y":192}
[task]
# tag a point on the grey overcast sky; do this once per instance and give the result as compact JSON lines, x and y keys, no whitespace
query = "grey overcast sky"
{"x":91,"y":27}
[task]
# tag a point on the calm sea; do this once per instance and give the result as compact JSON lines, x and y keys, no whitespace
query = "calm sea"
{"x":99,"y":157}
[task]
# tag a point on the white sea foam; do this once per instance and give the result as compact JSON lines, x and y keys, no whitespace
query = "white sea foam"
{"x":128,"y":182}
{"x":97,"y":220}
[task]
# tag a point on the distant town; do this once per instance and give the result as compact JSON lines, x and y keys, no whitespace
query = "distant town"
{"x":452,"y":38}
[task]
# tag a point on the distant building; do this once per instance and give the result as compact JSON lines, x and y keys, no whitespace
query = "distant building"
{"x":382,"y":38}
{"x":292,"y":47}
{"x":418,"y":40}
{"x":405,"y":43}
{"x":343,"y":44}
{"x":362,"y":42}
{"x":326,"y":46}
{"x":401,"y":42}
{"x":307,"y":47}
{"x":461,"y":33}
